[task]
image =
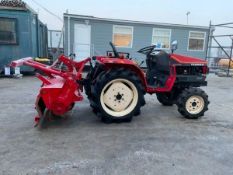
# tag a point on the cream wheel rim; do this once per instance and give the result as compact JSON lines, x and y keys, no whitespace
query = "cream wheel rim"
{"x":195,"y":104}
{"x":119,"y":97}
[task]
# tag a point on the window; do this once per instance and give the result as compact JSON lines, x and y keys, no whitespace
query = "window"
{"x":161,"y":38}
{"x":8,"y":31}
{"x":196,"y":41}
{"x":123,"y":36}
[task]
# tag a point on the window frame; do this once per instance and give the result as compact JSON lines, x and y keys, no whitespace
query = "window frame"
{"x":123,"y":26}
{"x":16,"y":31}
{"x":165,"y":29}
{"x":203,"y":49}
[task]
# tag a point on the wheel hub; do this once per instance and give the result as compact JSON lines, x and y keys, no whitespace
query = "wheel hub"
{"x":195,"y":104}
{"x":116,"y":101}
{"x":119,"y":97}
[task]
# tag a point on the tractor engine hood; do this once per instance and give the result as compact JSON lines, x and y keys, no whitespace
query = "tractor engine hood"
{"x":187,"y":60}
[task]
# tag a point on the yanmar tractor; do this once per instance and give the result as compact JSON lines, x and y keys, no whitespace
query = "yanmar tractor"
{"x":116,"y":85}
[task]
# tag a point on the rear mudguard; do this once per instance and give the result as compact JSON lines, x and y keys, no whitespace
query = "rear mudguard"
{"x":126,"y":63}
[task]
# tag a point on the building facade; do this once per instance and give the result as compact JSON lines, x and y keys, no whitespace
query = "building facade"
{"x":87,"y":36}
{"x":22,"y":34}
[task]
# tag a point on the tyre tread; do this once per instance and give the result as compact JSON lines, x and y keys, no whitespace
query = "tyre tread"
{"x":185,"y":95}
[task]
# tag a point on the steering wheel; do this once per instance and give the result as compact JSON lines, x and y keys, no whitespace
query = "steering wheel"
{"x":114,"y":50}
{"x":147,"y":50}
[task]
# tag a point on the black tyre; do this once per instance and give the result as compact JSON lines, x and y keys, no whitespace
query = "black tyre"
{"x":192,"y":103}
{"x":92,"y":98}
{"x":165,"y":99}
{"x":87,"y":87}
{"x":118,"y":95}
{"x":90,"y":80}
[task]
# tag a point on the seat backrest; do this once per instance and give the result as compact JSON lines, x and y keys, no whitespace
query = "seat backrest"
{"x":159,"y":63}
{"x":163,"y":62}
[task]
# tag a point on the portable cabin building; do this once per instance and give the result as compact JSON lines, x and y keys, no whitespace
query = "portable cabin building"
{"x":88,"y":35}
{"x":22,"y":34}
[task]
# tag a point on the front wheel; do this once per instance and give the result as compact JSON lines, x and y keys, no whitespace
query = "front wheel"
{"x":119,"y":94}
{"x":192,"y":103}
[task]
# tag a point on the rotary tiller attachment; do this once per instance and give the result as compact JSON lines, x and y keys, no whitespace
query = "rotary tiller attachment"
{"x":60,"y":88}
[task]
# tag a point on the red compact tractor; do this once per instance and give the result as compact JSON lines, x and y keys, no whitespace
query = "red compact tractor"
{"x":116,"y":85}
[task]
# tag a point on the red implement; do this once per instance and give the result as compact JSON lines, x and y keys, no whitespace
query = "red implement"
{"x":60,"y":89}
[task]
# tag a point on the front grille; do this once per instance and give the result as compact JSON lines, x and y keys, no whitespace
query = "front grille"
{"x":189,"y":70}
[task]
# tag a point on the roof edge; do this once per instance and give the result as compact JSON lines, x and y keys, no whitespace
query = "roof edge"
{"x":26,"y":8}
{"x":13,"y":8}
{"x":132,"y":21}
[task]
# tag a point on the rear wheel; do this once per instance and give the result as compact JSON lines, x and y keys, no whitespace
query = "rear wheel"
{"x":193,"y":103}
{"x":165,"y":99}
{"x":119,"y":95}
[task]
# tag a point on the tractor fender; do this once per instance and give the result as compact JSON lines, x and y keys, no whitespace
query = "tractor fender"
{"x":127,"y":64}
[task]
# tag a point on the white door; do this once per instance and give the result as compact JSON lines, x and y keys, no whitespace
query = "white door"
{"x":82,"y":41}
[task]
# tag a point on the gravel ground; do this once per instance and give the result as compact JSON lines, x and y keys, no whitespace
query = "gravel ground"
{"x":159,"y":141}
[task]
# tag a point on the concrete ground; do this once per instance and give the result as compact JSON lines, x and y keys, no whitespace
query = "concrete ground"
{"x":159,"y":141}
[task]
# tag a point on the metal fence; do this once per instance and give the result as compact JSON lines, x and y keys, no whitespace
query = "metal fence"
{"x":219,"y":54}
